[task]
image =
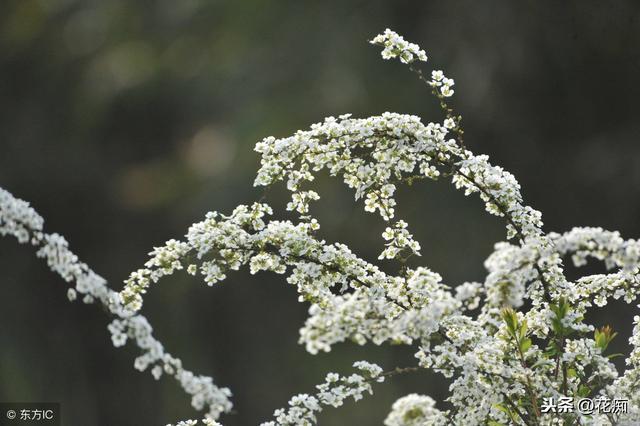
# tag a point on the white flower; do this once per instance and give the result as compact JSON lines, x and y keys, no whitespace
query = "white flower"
{"x":71,"y":294}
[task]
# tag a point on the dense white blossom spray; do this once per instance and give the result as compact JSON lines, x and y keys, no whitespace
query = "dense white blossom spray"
{"x":512,"y":344}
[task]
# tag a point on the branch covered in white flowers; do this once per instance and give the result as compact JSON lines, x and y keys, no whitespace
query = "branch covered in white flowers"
{"x":19,"y":220}
{"x":510,"y":344}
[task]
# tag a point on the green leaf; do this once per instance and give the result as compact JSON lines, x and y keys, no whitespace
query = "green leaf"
{"x":523,"y":329}
{"x":552,"y":350}
{"x":538,"y":364}
{"x":556,"y":325}
{"x":502,"y":408}
{"x":510,"y":318}
{"x":603,"y":336}
{"x":583,"y":391}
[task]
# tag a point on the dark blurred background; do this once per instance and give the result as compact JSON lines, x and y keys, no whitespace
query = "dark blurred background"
{"x":124,"y":122}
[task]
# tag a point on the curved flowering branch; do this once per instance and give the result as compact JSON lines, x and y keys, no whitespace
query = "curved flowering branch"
{"x":509,"y":343}
{"x":19,"y":220}
{"x":496,"y":363}
{"x":303,"y":408}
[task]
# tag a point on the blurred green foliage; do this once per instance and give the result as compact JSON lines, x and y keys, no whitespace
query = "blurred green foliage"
{"x":124,"y":122}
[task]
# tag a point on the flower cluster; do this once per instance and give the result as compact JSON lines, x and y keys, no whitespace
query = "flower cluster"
{"x":205,"y":422}
{"x":304,"y":408}
{"x":443,"y":84}
{"x":506,"y":343}
{"x":395,"y":46}
{"x":415,"y":410}
{"x":398,"y":239}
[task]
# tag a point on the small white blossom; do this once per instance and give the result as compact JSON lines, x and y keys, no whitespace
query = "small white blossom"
{"x":71,"y":295}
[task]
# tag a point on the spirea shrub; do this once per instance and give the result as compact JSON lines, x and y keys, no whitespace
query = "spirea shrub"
{"x":511,"y":345}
